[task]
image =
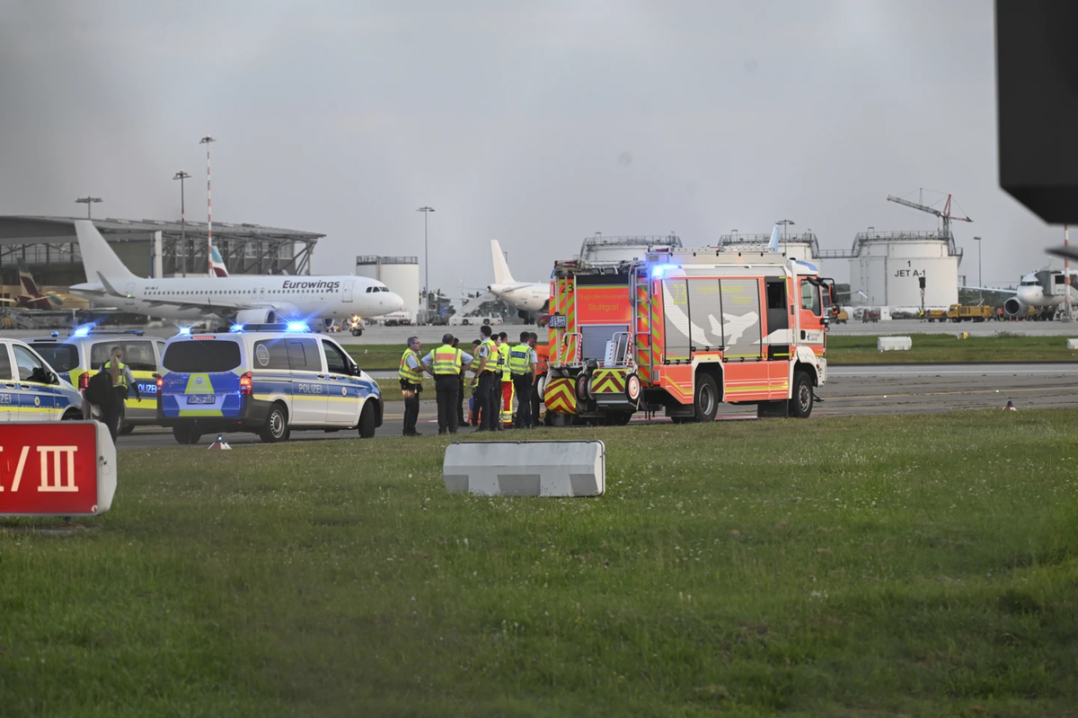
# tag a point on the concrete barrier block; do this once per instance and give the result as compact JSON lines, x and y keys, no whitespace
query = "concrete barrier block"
{"x":526,"y":468}
{"x":890,"y":344}
{"x":1072,"y":343}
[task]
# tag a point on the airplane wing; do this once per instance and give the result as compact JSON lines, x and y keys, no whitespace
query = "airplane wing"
{"x":507,"y":288}
{"x":998,"y":290}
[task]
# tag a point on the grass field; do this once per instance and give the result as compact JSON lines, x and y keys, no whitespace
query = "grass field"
{"x":859,"y":350}
{"x":870,"y":566}
{"x":948,"y":348}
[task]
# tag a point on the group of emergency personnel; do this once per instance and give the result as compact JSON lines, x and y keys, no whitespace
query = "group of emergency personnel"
{"x":502,"y":372}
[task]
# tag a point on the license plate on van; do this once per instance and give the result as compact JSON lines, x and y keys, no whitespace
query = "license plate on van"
{"x":201,"y":399}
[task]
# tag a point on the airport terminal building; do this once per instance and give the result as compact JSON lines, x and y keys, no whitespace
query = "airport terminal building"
{"x":150,"y":248}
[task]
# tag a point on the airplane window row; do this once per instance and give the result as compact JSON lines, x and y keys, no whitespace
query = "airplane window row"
{"x":377,"y":289}
{"x":237,"y":291}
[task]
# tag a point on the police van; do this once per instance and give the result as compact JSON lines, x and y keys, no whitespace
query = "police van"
{"x":264,"y":380}
{"x":31,"y":390}
{"x":81,"y":355}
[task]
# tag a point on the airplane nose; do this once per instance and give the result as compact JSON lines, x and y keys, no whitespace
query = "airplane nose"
{"x":394,"y":301}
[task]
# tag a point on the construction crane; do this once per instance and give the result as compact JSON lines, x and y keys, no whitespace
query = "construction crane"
{"x":945,"y":215}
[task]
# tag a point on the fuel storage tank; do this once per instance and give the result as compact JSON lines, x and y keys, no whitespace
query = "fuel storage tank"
{"x":400,"y":274}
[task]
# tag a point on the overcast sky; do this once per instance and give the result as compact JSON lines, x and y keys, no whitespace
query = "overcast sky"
{"x":533,"y":123}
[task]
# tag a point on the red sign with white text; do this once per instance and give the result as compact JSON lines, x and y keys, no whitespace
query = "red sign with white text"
{"x":52,"y":469}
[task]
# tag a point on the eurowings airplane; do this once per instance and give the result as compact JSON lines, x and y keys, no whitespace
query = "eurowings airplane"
{"x":529,"y":296}
{"x":244,"y":299}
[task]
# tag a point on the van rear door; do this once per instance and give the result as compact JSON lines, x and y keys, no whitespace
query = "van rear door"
{"x":202,"y":378}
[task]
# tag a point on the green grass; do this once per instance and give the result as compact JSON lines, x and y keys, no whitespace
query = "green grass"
{"x":949,"y":348}
{"x":866,"y":566}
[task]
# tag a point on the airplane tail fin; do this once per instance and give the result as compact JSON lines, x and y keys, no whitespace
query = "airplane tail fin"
{"x":773,"y":245}
{"x":217,"y":265}
{"x":97,"y":257}
{"x":27,"y":280}
{"x":501,"y":267}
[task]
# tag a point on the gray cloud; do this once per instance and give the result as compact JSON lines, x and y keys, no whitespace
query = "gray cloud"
{"x":513,"y":122}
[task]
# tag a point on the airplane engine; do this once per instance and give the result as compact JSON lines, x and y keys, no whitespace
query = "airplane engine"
{"x":1014,"y":308}
{"x":257,"y":316}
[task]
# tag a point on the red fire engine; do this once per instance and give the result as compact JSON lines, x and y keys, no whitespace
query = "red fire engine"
{"x":683,"y":330}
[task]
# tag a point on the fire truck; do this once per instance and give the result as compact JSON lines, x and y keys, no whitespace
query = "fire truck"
{"x":683,"y":330}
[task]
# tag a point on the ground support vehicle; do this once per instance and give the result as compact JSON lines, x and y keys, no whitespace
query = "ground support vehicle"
{"x":31,"y":390}
{"x":936,"y":315}
{"x":267,"y":381}
{"x":963,"y":313}
{"x":839,"y":316}
{"x":80,"y":355}
{"x":682,"y":331}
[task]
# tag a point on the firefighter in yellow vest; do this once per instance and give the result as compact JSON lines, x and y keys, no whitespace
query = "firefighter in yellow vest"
{"x":522,"y":366}
{"x":507,"y":381}
{"x":445,"y":363}
{"x":411,"y":377}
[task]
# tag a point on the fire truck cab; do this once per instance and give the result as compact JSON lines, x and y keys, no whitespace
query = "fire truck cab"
{"x":683,"y":330}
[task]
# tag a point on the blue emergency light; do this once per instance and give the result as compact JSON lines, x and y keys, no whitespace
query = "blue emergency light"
{"x":297,"y":327}
{"x":81,"y":332}
{"x":236,"y":328}
{"x":186,"y":331}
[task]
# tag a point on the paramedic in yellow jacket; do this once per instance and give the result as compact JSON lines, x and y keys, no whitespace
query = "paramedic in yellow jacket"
{"x":507,"y":381}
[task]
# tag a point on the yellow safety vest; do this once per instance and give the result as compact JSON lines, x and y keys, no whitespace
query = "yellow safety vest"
{"x":520,"y":359}
{"x":121,"y":378}
{"x":492,"y":354}
{"x":414,"y":376}
{"x":503,"y":361}
{"x":447,"y":360}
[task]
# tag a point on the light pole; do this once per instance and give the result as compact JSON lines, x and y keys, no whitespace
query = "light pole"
{"x":980,"y":282}
{"x":785,"y":223}
{"x":87,"y":201}
{"x":181,"y":176}
{"x":209,"y":205}
{"x":426,"y":259}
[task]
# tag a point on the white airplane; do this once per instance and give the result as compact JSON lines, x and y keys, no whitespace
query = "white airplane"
{"x":528,"y":296}
{"x":243,"y":299}
{"x":1042,"y":290}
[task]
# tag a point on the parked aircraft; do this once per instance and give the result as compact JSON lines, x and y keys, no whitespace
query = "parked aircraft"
{"x":244,"y":299}
{"x":1045,"y":289}
{"x":33,"y":297}
{"x":527,"y":296}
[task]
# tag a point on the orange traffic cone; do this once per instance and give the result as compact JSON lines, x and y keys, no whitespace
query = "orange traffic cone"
{"x":1009,"y":407}
{"x":220,"y":444}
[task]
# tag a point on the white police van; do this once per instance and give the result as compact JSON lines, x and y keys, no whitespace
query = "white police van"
{"x":267,"y":379}
{"x":31,"y":390}
{"x":80,"y":355}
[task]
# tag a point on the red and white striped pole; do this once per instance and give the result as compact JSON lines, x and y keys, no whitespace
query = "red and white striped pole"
{"x":1067,"y":269}
{"x":209,"y":207}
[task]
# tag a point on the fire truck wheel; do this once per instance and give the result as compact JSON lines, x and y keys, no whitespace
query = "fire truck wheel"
{"x":801,"y":401}
{"x":632,"y":387}
{"x":707,"y":398}
{"x":582,"y":387}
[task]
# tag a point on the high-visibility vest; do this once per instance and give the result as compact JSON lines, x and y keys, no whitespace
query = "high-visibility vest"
{"x":503,"y":361}
{"x":414,"y":376}
{"x":447,"y":360}
{"x":121,"y":377}
{"x":492,"y":353}
{"x":520,"y":359}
